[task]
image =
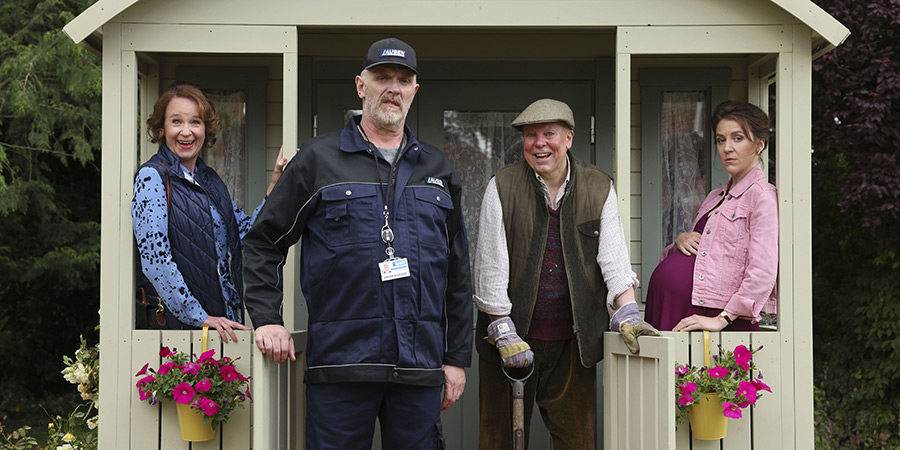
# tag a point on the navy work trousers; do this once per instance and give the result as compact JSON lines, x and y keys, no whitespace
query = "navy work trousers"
{"x":341,"y":416}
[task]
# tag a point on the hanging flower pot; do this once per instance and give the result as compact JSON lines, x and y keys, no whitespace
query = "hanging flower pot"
{"x":707,"y":421}
{"x":710,"y":395}
{"x":193,"y":428}
{"x":214,"y":388}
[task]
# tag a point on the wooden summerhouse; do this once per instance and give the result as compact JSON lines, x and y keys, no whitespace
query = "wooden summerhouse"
{"x":642,"y":78}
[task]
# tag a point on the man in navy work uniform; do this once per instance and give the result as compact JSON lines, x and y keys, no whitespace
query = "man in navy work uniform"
{"x":384,"y":269}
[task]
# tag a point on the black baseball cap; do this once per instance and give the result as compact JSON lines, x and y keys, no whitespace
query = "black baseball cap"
{"x":391,"y":51}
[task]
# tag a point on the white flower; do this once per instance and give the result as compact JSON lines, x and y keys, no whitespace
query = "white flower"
{"x":86,"y":395}
{"x":69,"y":437}
{"x":92,"y":422}
{"x":70,"y":377}
{"x":80,"y":374}
{"x":64,"y":447}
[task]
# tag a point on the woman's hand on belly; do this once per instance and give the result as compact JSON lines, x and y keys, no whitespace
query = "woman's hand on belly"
{"x":688,"y":243}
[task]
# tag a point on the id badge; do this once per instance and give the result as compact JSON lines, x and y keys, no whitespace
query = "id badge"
{"x":392,"y":269}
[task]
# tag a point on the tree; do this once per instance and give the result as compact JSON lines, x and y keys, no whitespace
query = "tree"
{"x":49,"y":204}
{"x":856,"y":208}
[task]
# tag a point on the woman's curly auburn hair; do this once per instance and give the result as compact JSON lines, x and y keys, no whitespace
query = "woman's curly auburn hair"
{"x":208,"y":113}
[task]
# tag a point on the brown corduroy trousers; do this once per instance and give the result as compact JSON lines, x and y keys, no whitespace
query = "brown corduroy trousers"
{"x":563,"y":389}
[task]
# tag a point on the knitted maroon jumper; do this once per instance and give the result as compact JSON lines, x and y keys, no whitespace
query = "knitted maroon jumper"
{"x":552,"y":316}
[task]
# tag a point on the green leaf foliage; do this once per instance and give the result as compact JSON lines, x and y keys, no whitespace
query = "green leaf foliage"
{"x":856,"y":208}
{"x":49,"y":204}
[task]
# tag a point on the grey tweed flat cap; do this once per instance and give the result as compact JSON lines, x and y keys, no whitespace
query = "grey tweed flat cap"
{"x":543,"y":111}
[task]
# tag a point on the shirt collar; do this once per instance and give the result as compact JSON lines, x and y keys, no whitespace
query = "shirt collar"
{"x":554,"y":202}
{"x":353,"y":141}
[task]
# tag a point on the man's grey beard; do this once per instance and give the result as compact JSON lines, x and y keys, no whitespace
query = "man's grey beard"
{"x":386,"y":119}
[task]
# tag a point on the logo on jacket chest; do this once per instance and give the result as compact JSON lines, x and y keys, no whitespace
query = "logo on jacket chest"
{"x":435,"y":181}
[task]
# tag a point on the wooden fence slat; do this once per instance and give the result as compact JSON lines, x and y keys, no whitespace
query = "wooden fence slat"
{"x":170,"y":433}
{"x":738,"y":437}
{"x":697,"y":359}
{"x":213,"y":342}
{"x":236,"y":433}
{"x":681,"y":355}
{"x":265,"y":400}
{"x":144,"y":416}
{"x":768,"y":422}
{"x":297,"y":400}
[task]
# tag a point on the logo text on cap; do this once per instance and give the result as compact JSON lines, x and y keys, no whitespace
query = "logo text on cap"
{"x":393,"y":52}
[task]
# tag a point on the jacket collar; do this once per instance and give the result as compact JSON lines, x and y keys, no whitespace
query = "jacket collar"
{"x":174,"y":164}
{"x":353,"y":141}
{"x":755,"y":176}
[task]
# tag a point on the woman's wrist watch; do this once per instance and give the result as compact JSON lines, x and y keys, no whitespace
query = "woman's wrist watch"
{"x":724,"y":315}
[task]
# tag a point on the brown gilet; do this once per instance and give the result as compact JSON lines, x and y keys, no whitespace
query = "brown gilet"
{"x":526,"y":221}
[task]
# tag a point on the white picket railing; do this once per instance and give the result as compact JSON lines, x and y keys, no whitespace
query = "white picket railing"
{"x":639,"y":393}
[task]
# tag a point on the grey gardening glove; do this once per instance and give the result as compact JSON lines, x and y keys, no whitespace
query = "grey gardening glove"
{"x":627,"y":321}
{"x":514,"y":351}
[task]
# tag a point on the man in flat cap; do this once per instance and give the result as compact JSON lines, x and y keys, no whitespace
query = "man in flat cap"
{"x":384,"y":269}
{"x":551,"y":267}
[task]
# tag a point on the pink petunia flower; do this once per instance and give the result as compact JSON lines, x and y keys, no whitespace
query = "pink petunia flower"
{"x":742,"y":357}
{"x":209,"y":407}
{"x":718,"y":372}
{"x":143,"y":370}
{"x":681,"y":370}
{"x":229,"y":373}
{"x":165,"y":368}
{"x":144,"y":381}
{"x":731,"y":411}
{"x":165,"y":352}
{"x":760,"y":386}
{"x":747,"y":391}
{"x":688,"y":388}
{"x":248,"y":393}
{"x":206,"y":356}
{"x":183,"y":393}
{"x":685,"y":400}
{"x":191,"y":369}
{"x":203,"y":385}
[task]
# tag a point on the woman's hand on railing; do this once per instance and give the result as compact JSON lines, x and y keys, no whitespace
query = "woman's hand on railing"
{"x":275,"y":342}
{"x":696,"y":322}
{"x":224,"y":326}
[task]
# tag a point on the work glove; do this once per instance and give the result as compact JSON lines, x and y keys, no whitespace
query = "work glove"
{"x":514,"y":351}
{"x":627,"y":321}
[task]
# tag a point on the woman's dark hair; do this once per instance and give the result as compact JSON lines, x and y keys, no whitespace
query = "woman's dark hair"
{"x":208,"y":113}
{"x":751,"y":118}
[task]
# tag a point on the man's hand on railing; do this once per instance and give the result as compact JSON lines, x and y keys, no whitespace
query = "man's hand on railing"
{"x":627,"y":321}
{"x":275,"y":342}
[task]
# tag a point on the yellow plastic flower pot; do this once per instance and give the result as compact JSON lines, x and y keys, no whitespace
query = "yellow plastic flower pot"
{"x":707,"y":421}
{"x":193,"y":428}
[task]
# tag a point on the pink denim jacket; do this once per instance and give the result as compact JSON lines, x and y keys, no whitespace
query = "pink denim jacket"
{"x":737,"y":263}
